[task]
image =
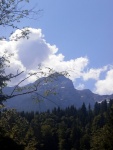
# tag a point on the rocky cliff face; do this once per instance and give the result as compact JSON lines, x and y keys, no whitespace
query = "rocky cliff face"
{"x":61,"y":94}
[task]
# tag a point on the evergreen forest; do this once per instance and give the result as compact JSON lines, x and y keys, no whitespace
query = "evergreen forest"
{"x":84,"y":128}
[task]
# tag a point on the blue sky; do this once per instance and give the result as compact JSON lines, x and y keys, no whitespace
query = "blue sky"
{"x":80,"y":30}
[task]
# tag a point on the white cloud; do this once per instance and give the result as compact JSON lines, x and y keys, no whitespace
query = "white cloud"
{"x":94,"y":73}
{"x":34,"y":50}
{"x":75,"y":67}
{"x":29,"y":53}
{"x":105,"y":86}
{"x":80,"y":86}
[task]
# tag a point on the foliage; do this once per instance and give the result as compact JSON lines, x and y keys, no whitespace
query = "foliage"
{"x":13,"y":11}
{"x":60,"y":129}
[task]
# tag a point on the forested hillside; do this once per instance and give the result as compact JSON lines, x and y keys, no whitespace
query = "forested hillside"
{"x":68,"y":129}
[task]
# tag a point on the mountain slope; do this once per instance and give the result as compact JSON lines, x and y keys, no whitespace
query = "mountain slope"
{"x":65,"y":95}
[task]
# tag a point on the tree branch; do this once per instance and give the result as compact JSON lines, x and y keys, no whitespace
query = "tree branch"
{"x":45,"y":98}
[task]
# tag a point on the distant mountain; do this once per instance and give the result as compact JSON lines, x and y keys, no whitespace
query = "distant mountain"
{"x":64,"y":95}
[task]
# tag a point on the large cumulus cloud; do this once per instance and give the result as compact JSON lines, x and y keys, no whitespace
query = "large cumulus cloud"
{"x":34,"y":50}
{"x":105,"y":86}
{"x":29,"y":53}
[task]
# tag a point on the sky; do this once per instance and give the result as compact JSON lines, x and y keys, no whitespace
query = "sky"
{"x":74,"y":35}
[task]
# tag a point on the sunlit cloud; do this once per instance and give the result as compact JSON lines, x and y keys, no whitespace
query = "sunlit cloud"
{"x":80,"y":86}
{"x":30,"y":53}
{"x":105,"y":86}
{"x":94,"y":73}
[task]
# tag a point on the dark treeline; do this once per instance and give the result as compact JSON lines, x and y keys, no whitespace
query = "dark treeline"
{"x":68,"y":129}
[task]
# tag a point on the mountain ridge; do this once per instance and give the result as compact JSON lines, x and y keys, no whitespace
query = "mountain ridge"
{"x":64,"y":95}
